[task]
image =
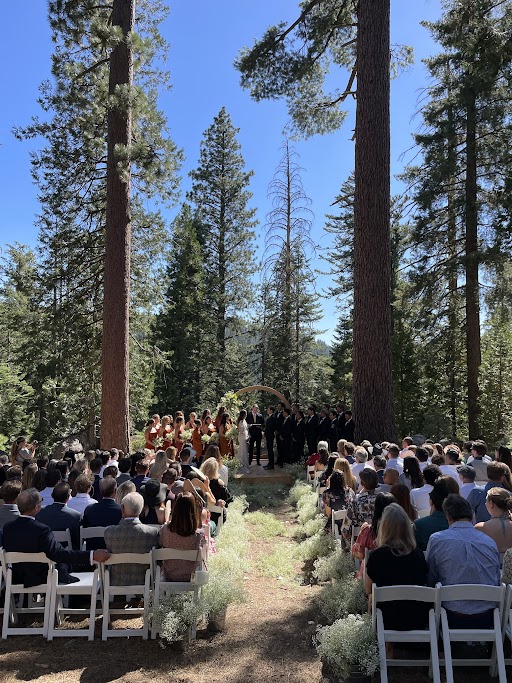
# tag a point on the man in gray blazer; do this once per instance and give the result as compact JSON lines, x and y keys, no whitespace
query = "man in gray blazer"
{"x":130,"y":536}
{"x":9,"y":493}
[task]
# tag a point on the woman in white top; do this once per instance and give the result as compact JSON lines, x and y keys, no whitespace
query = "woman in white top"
{"x":243,"y":437}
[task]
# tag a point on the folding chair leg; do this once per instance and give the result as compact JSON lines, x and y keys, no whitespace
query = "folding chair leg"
{"x":382,"y":648}
{"x":8,"y":601}
{"x":92,"y":613}
{"x":156,"y":600}
{"x":498,"y":651}
{"x":447,"y":648}
{"x":53,"y":614}
{"x":434,"y":669}
{"x":106,"y":604}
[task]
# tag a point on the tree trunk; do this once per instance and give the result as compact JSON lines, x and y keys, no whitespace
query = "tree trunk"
{"x":115,"y":350}
{"x":372,"y":367}
{"x":453,"y":331}
{"x":471,"y":264}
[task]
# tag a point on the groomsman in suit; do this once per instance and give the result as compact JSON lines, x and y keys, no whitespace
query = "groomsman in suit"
{"x":298,"y":437}
{"x":278,"y":421}
{"x":270,"y":428}
{"x":324,"y":425}
{"x":256,"y":423}
{"x":311,"y":429}
{"x":285,"y":437}
{"x":349,"y":427}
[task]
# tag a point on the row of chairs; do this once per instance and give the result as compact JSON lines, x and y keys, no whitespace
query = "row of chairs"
{"x":51,"y":599}
{"x":438,"y":627}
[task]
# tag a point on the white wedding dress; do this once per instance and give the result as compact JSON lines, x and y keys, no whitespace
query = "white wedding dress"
{"x":243,"y":446}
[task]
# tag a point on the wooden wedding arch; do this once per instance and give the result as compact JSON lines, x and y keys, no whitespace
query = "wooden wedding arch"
{"x":281,"y":397}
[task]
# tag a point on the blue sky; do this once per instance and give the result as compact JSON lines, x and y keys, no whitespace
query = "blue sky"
{"x":205,"y":37}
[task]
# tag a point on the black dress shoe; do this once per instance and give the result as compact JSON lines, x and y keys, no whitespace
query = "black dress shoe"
{"x":268,"y":467}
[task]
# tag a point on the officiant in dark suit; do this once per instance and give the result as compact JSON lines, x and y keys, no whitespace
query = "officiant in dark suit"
{"x":256,"y":423}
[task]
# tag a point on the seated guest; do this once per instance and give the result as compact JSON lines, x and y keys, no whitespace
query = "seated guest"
{"x":423,"y":455}
{"x":157,"y":509}
{"x":467,"y":476}
{"x":398,"y":562}
{"x":52,"y":478}
{"x":379,"y":464}
{"x":403,"y":498}
{"x":39,"y":480}
{"x":83,"y":499}
{"x":349,"y":452}
{"x":171,"y":453}
{"x":59,"y":516}
{"x":499,"y":526}
{"x":173,"y":482}
{"x":420,"y":497}
{"x":506,"y":574}
{"x":343,"y":465}
{"x":394,"y":462}
{"x":451,"y":456}
{"x":368,"y":537}
{"x":111,"y":472}
{"x":130,"y":536}
{"x":112,"y":461}
{"x":329,"y":469}
{"x":361,"y":509}
{"x":27,"y":535}
{"x":159,"y":466}
{"x":214,"y":487}
{"x":125,"y":466}
{"x":479,"y":460}
{"x":29,"y":472}
{"x":436,"y":520}
{"x":496,"y":473}
{"x":411,"y":475}
{"x":185,"y":457}
{"x":323,"y":456}
{"x":14,"y":472}
{"x":361,"y":456}
{"x":214,"y":452}
{"x":106,"y":512}
{"x":389,"y":479}
{"x":63,"y":467}
{"x":141,"y":476}
{"x":453,"y":486}
{"x":123,"y":490}
{"x":336,"y":497}
{"x":182,"y":533}
{"x":463,"y":555}
{"x":95,"y":467}
{"x":9,"y":493}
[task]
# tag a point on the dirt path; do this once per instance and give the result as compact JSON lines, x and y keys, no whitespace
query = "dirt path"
{"x":267,"y":639}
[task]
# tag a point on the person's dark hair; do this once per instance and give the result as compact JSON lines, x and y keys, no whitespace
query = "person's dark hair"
{"x":323,"y":456}
{"x":438,"y":459}
{"x":300,"y":414}
{"x":337,"y":482}
{"x":496,"y":470}
{"x":422,"y":454}
{"x":176,"y":466}
{"x":379,"y":461}
{"x":453,"y":455}
{"x":287,"y":411}
{"x":72,"y":477}
{"x":83,"y":483}
{"x":504,"y":455}
{"x":26,"y":463}
{"x":348,"y":412}
{"x":185,"y":454}
{"x":440,"y":491}
{"x":63,"y":468}
{"x":96,"y":465}
{"x":456,"y":508}
{"x":431,"y":473}
{"x":350,"y":448}
{"x":241,"y":416}
{"x":468,"y":445}
{"x":480,"y":448}
{"x":223,"y":420}
{"x":330,"y":465}
{"x":450,"y":483}
{"x":108,"y":486}
{"x":272,"y":408}
{"x":382,"y":500}
{"x":110,"y":471}
{"x":169,"y":476}
{"x":184,"y":518}
{"x":412,"y":470}
{"x":393,"y":450}
{"x":39,"y":480}
{"x":136,"y":457}
{"x":60,"y":492}
{"x":408,"y":440}
{"x":403,"y":498}
{"x":42,"y":463}
{"x":439,"y":448}
{"x":312,"y":406}
{"x":125,"y":465}
{"x":14,"y":472}
{"x":105,"y":457}
{"x":141,"y":466}
{"x":53,"y":477}
{"x":10,"y":490}
{"x":333,"y":413}
{"x":369,"y":479}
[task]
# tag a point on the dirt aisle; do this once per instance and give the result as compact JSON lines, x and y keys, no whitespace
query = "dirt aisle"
{"x":267,"y":639}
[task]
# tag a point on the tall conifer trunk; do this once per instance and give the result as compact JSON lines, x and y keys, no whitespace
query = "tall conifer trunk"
{"x":453,"y":332}
{"x":115,"y":349}
{"x":372,"y":373}
{"x":472,"y":262}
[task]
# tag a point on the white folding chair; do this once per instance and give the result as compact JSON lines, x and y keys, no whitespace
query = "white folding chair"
{"x":91,"y":532}
{"x":337,"y":516}
{"x":11,"y":611}
{"x":423,"y":513}
{"x":320,"y":490}
{"x":217,"y":509}
{"x":310,"y":474}
{"x":88,"y":584}
{"x":426,"y":635}
{"x":63,"y":537}
{"x":473,"y":592}
{"x":506,"y":621}
{"x":161,"y":588}
{"x":112,"y":590}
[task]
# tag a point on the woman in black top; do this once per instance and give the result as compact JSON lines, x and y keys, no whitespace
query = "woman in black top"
{"x":398,"y":562}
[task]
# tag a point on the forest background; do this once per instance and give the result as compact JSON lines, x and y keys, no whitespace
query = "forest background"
{"x":198,"y":330}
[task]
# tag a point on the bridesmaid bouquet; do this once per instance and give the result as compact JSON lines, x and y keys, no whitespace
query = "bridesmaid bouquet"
{"x":206,"y":438}
{"x":232,"y":433}
{"x":214,"y":439}
{"x":186,"y":435}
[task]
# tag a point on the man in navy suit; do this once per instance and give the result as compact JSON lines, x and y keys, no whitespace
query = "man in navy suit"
{"x":105,"y":513}
{"x":26,"y":535}
{"x":59,"y":517}
{"x":256,"y":424}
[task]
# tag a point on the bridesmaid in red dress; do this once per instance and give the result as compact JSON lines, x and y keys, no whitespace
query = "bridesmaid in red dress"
{"x":197,"y":444}
{"x":165,"y":431}
{"x":225,"y":445}
{"x":191,"y":421}
{"x":150,"y":434}
{"x":179,"y":426}
{"x":217,"y":421}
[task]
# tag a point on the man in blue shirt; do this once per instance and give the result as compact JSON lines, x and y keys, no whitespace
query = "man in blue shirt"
{"x":496,"y":472}
{"x":463,"y":555}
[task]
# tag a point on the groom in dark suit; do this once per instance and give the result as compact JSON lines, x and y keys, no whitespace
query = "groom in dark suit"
{"x":256,"y":423}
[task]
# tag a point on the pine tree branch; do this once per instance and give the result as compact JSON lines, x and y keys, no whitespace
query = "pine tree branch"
{"x":92,"y":68}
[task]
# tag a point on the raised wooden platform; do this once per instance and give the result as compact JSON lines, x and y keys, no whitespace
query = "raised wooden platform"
{"x":258,"y":475}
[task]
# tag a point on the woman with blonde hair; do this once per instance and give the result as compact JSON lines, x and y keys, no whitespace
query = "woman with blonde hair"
{"x":499,"y":526}
{"x":210,"y":469}
{"x":397,"y":562}
{"x":171,"y":453}
{"x":343,"y":465}
{"x":28,"y":475}
{"x":214,"y":452}
{"x":165,"y":431}
{"x":159,"y":466}
{"x":21,"y":450}
{"x":123,"y":490}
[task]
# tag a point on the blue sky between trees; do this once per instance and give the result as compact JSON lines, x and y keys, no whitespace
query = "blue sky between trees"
{"x":205,"y":37}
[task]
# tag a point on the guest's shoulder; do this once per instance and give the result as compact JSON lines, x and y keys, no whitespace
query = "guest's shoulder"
{"x":71,"y":513}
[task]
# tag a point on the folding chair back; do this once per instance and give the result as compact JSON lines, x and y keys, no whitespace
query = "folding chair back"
{"x":88,"y":584}
{"x":337,"y":516}
{"x":11,"y":611}
{"x":63,"y":537}
{"x":478,"y":593}
{"x":91,"y":532}
{"x":311,"y":474}
{"x":218,"y":510}
{"x":139,"y":589}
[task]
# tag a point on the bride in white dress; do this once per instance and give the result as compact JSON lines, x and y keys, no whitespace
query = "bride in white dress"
{"x":243,"y":437}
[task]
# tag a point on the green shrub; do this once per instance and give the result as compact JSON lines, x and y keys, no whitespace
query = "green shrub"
{"x":341,"y":598}
{"x":338,"y":565}
{"x":174,"y":615}
{"x":279,"y":563}
{"x":319,"y":545}
{"x":265,"y":524}
{"x":349,"y":642}
{"x":307,"y":507}
{"x":297,"y":471}
{"x":298,"y":490}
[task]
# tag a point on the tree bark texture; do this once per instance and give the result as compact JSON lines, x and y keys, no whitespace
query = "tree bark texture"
{"x":115,"y":350}
{"x":372,"y":363}
{"x":473,"y":350}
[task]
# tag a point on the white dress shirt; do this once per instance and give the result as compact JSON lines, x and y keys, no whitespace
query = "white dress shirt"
{"x":451,"y":471}
{"x":46,"y":496}
{"x":80,"y":502}
{"x":420,"y":499}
